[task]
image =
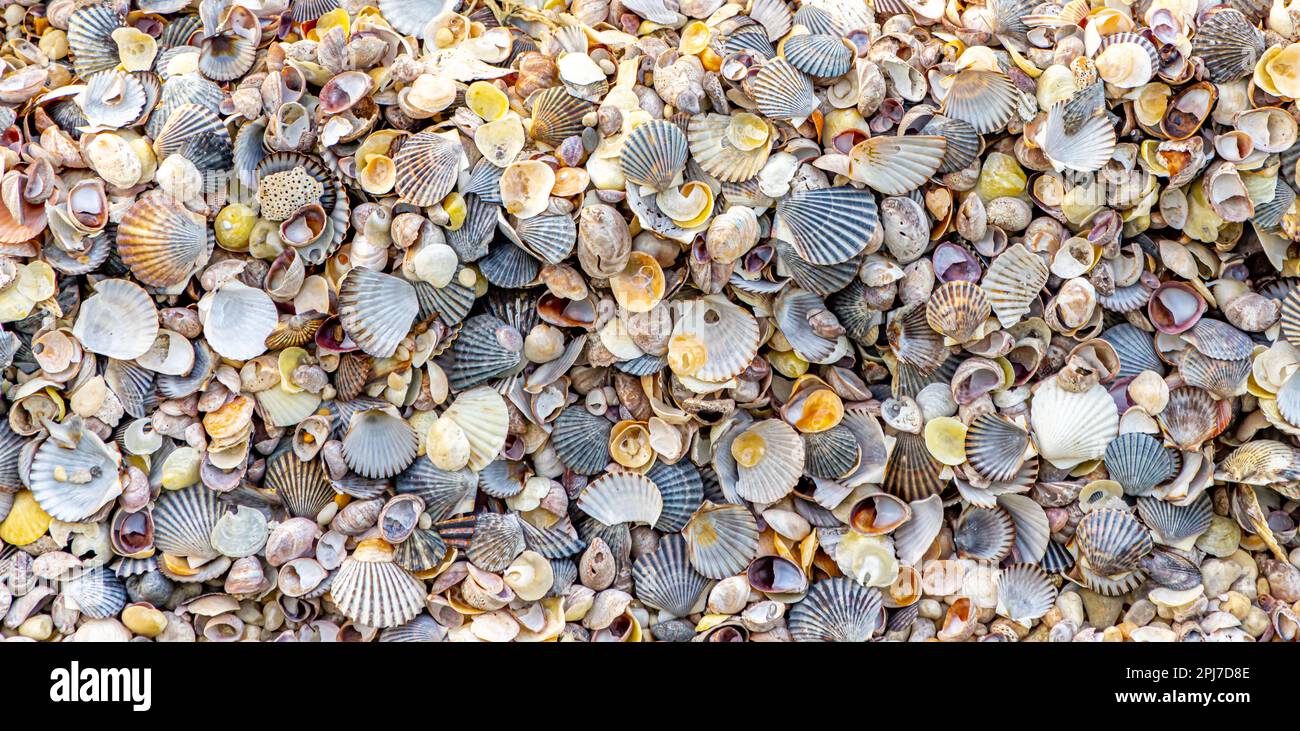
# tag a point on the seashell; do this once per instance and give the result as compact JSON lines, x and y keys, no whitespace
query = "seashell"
{"x":98,"y":593}
{"x":581,"y":440}
{"x":984,"y":534}
{"x":482,"y":415}
{"x":1222,"y":378}
{"x":118,"y":321}
{"x":831,"y":454}
{"x":1259,"y":462}
{"x":769,"y":456}
{"x":239,"y":534}
{"x":1193,"y":417}
{"x":162,"y":242}
{"x":896,"y":165}
{"x":427,"y":167}
{"x":486,"y":348}
{"x":996,"y":447}
{"x":806,"y":216}
{"x":1228,"y":44}
{"x":911,"y":472}
{"x":665,"y":580}
{"x":1085,"y":149}
{"x":1111,"y":541}
{"x":371,"y":589}
{"x":712,"y":340}
{"x":379,"y":443}
{"x":957,"y":309}
{"x":440,"y":490}
{"x":1025,"y":593}
{"x":721,"y":540}
{"x":1126,"y":60}
{"x":90,"y":38}
{"x":782,"y":91}
{"x":1139,"y":463}
{"x":498,"y":540}
{"x":623,"y":497}
{"x":836,"y":610}
{"x":1175,"y":525}
{"x":682,"y":491}
{"x":1093,"y":423}
{"x":301,"y":485}
{"x":986,"y":100}
{"x":183,"y":522}
{"x":654,"y":154}
{"x":73,"y":479}
{"x":237,"y":320}
{"x":376,"y":310}
{"x":819,"y":55}
{"x":710,"y":139}
{"x":424,"y":550}
{"x":557,"y":116}
{"x":913,"y":341}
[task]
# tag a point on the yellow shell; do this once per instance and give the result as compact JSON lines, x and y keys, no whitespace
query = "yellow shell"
{"x":487,"y":101}
{"x":695,"y":37}
{"x":640,"y":286}
{"x":26,"y":521}
{"x":136,"y":48}
{"x":749,"y":448}
{"x":629,"y":444}
{"x":686,"y":354}
{"x":748,"y":131}
{"x":945,"y":437}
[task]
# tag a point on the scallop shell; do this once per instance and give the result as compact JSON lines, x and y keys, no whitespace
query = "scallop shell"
{"x":782,"y":91}
{"x":498,"y":540}
{"x":831,"y":454}
{"x":819,"y":279}
{"x":820,"y":55}
{"x":372,"y":590}
{"x":778,"y":469}
{"x":986,"y":100}
{"x":995,"y":447}
{"x":183,"y":521}
{"x":1135,"y":350}
{"x":440,"y":489}
{"x":913,"y":341}
{"x":829,"y":225}
{"x":379,"y":443}
{"x":1111,"y":541}
{"x":377,"y":310}
{"x":162,"y":242}
{"x":1085,"y":149}
{"x":665,"y":580}
{"x":191,"y":128}
{"x":1176,"y":525}
{"x":557,"y":115}
{"x":421,"y":629}
{"x":423,"y":550}
{"x":485,"y":350}
{"x":581,"y":440}
{"x":90,"y":38}
{"x":793,"y":310}
{"x":912,"y":473}
{"x":984,"y":534}
{"x":118,"y":321}
{"x":1260,"y":462}
{"x":957,"y":310}
{"x":654,"y":154}
{"x":427,"y":167}
{"x":1139,"y":463}
{"x":1033,"y":532}
{"x":622,"y":497}
{"x":98,"y":593}
{"x":1066,"y":441}
{"x":238,"y":320}
{"x":1025,"y":593}
{"x":682,"y":491}
{"x":728,"y":334}
{"x":550,"y":238}
{"x":1222,"y":378}
{"x":721,"y":540}
{"x":964,"y":144}
{"x":1290,"y":317}
{"x":896,"y":165}
{"x":508,"y":266}
{"x":112,"y":99}
{"x":229,"y":54}
{"x":72,"y":484}
{"x":1193,"y":417}
{"x":1229,"y":44}
{"x":558,"y":541}
{"x":714,"y":153}
{"x":836,"y":610}
{"x":303,"y":487}
{"x":448,"y":304}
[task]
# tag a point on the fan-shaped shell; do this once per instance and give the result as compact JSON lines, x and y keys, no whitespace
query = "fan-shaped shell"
{"x":782,"y":91}
{"x":372,"y":590}
{"x":163,"y":242}
{"x":377,"y":310}
{"x":912,"y":473}
{"x":1139,"y":462}
{"x":486,"y":348}
{"x":836,"y":610}
{"x":829,"y":225}
{"x":957,"y":310}
{"x":379,"y":443}
{"x":440,"y":489}
{"x":1229,"y":44}
{"x":717,"y":156}
{"x":183,"y":521}
{"x":984,"y":534}
{"x":769,"y":457}
{"x":581,"y":440}
{"x":427,"y":166}
{"x":71,"y":484}
{"x":831,"y":454}
{"x":1111,"y":541}
{"x":622,"y":497}
{"x":995,"y":447}
{"x":1260,"y":462}
{"x":1176,"y":525}
{"x":302,"y":485}
{"x":654,"y":154}
{"x":682,"y":491}
{"x":984,"y":99}
{"x":237,"y":320}
{"x":1070,"y":428}
{"x":895,"y":165}
{"x":1193,"y":417}
{"x":721,"y":540}
{"x":498,"y":540}
{"x":665,"y":580}
{"x":557,"y":115}
{"x":98,"y":593}
{"x":118,"y":321}
{"x":1025,"y":593}
{"x":482,"y":415}
{"x":90,"y":38}
{"x":819,"y":55}
{"x":423,"y":550}
{"x":1082,"y":150}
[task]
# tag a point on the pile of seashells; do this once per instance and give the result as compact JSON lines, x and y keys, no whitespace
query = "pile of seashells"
{"x":633,"y":320}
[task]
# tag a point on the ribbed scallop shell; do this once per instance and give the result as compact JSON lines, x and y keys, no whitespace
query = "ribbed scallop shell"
{"x":654,"y":154}
{"x":1139,"y":462}
{"x":1084,"y":150}
{"x":778,"y":470}
{"x":1033,"y":532}
{"x":98,"y":593}
{"x":854,"y":312}
{"x":897,"y":165}
{"x":308,"y":10}
{"x":1175,"y":525}
{"x":984,"y":534}
{"x":238,"y":320}
{"x":227,"y":56}
{"x":440,"y":489}
{"x":1229,"y":44}
{"x":479,"y":354}
{"x":1070,"y":428}
{"x":622,"y":497}
{"x":1290,"y":319}
{"x":913,"y":538}
{"x":792,"y":310}
{"x":782,"y":91}
{"x":379,"y":444}
{"x":912,"y":473}
{"x":1193,"y":417}
{"x":1025,"y":593}
{"x":559,"y":541}
{"x":377,"y":310}
{"x":1111,"y":541}
{"x":374,"y":591}
{"x":984,"y":99}
{"x":187,"y":123}
{"x":721,"y":540}
{"x":707,"y":136}
{"x":72,"y":484}
{"x":183,"y":521}
{"x":820,"y":279}
{"x":557,"y":115}
{"x":6,"y":504}
{"x":773,"y":15}
{"x":90,"y":38}
{"x":581,"y":440}
{"x":836,"y":610}
{"x":550,"y":238}
{"x":11,"y":446}
{"x":133,"y":385}
{"x":162,"y":241}
{"x":421,"y":629}
{"x":913,"y":341}
{"x":665,"y":580}
{"x":819,"y":55}
{"x":118,"y":321}
{"x":448,"y":304}
{"x":729,"y":333}
{"x":1260,"y":462}
{"x":829,"y":225}
{"x":995,"y":447}
{"x":1057,"y":559}
{"x":113,"y":99}
{"x":427,"y":167}
{"x":964,"y":144}
{"x":1135,"y":350}
{"x":831,"y":454}
{"x":302,"y":486}
{"x":503,"y":479}
{"x":1268,"y":216}
{"x":509,"y":266}
{"x":1218,"y":339}
{"x":423,"y":550}
{"x":957,"y":309}
{"x":1222,"y":378}
{"x":498,"y":540}
{"x":682,"y":491}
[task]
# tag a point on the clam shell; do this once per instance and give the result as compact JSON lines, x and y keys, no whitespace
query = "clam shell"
{"x":371,"y":589}
{"x":912,"y":473}
{"x":1066,"y":441}
{"x":557,"y":115}
{"x":1135,"y":350}
{"x":1025,"y":593}
{"x":836,"y":610}
{"x":995,"y":447}
{"x":423,"y":550}
{"x":782,"y":91}
{"x":90,"y":38}
{"x":1139,"y":462}
{"x":957,"y":309}
{"x":728,"y":334}
{"x":622,"y":497}
{"x":118,"y":321}
{"x":1222,"y":378}
{"x":192,"y":129}
{"x":239,"y":534}
{"x":713,"y":152}
{"x":558,"y":541}
{"x":379,"y":443}
{"x":550,"y":238}
{"x":377,"y":310}
{"x":183,"y":521}
{"x":896,"y":165}
{"x":819,"y":55}
{"x":509,"y":266}
{"x":98,"y":593}
{"x":853,"y":311}
{"x":986,"y":100}
{"x":1268,"y":216}
{"x":1111,"y":541}
{"x":72,"y":484}
{"x":1229,"y":45}
{"x":1057,"y":559}
{"x":162,"y":242}
{"x":1175,"y":525}
{"x":581,"y":440}
{"x":498,"y":540}
{"x":778,"y":469}
{"x":664,"y":579}
{"x":427,"y":166}
{"x":133,"y":385}
{"x":440,"y":489}
{"x":303,"y":487}
{"x":486,"y":349}
{"x":829,"y":225}
{"x":721,"y":540}
{"x":654,"y":154}
{"x":984,"y":534}
{"x":682,"y":491}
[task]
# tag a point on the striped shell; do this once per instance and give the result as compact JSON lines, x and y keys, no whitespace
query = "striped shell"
{"x":162,"y":242}
{"x":819,"y":55}
{"x":1025,"y":593}
{"x":1229,"y":45}
{"x":829,"y":225}
{"x":622,"y":497}
{"x":183,"y":521}
{"x":721,"y":539}
{"x":957,"y":310}
{"x":303,"y":487}
{"x":1111,"y":541}
{"x":372,"y":590}
{"x":782,"y":91}
{"x":427,"y":167}
{"x":1139,"y":462}
{"x":654,"y":154}
{"x":836,"y":610}
{"x":664,"y":579}
{"x":1176,"y":525}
